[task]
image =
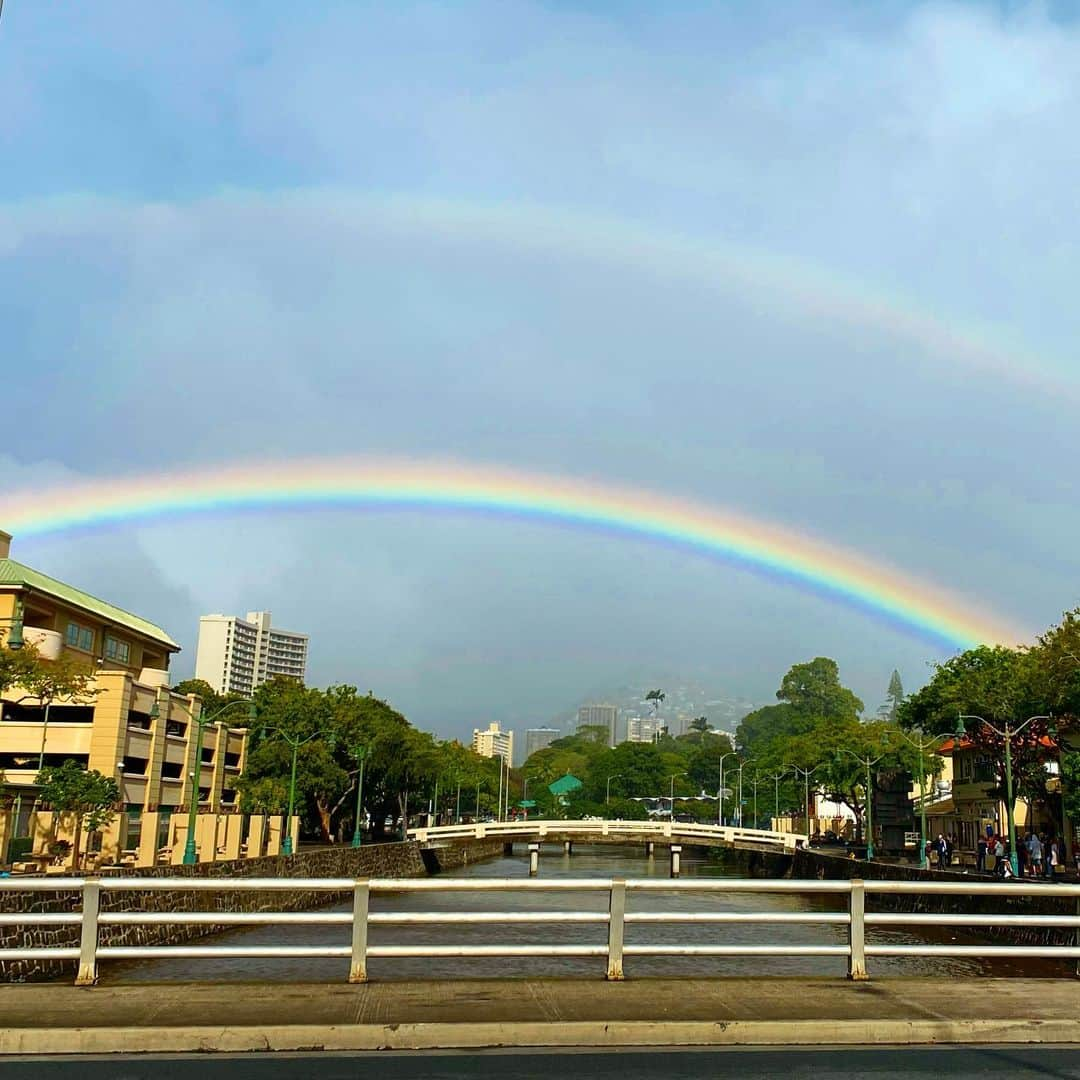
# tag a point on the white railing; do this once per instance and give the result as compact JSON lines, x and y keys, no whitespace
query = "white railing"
{"x":89,"y":951}
{"x":685,"y":832}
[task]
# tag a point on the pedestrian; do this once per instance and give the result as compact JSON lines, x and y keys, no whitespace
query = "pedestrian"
{"x":1035,"y":852}
{"x":941,"y":848}
{"x":980,"y":855}
{"x":999,"y":854}
{"x":1053,"y":859}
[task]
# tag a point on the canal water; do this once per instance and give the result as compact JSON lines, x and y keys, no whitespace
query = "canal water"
{"x":597,"y":861}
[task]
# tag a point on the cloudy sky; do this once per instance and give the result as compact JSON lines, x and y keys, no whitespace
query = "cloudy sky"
{"x":816,"y":263}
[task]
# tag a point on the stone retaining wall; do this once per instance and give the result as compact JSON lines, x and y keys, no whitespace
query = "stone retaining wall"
{"x":376,"y":860}
{"x":808,"y":863}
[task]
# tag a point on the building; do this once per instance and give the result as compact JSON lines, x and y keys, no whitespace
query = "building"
{"x":494,"y":742}
{"x":538,"y":737}
{"x":642,"y":728}
{"x":606,"y":716}
{"x":236,"y":655}
{"x":129,"y":725}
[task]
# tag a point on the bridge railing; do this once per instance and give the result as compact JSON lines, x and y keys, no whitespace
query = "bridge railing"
{"x":359,"y":918}
{"x":667,"y":830}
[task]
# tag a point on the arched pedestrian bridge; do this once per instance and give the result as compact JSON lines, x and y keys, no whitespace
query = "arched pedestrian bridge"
{"x":629,"y":832}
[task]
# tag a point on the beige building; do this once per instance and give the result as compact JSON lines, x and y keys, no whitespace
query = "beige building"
{"x":237,"y":655}
{"x":605,"y":716}
{"x":132,"y":727}
{"x":494,"y":742}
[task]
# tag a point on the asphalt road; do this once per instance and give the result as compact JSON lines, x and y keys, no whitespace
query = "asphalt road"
{"x":821,"y":1064}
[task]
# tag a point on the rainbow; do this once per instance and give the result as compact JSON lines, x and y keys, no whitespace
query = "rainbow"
{"x":772,"y":550}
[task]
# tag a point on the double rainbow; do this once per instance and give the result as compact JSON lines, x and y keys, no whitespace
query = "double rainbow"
{"x":886,"y":593}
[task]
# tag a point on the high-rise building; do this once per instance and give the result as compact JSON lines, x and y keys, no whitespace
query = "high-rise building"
{"x":538,"y":737}
{"x":600,"y":716}
{"x":236,"y":655}
{"x":494,"y":742}
{"x":641,"y":728}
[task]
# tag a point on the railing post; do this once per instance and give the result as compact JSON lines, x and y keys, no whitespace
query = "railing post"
{"x":534,"y":859}
{"x":361,"y":903}
{"x":88,"y":941}
{"x":676,"y":859}
{"x":616,"y":925}
{"x":857,"y":931}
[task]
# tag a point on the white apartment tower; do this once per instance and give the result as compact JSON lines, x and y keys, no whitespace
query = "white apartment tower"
{"x":236,"y":655}
{"x":494,"y":742}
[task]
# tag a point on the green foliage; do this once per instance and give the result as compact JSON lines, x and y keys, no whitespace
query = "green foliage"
{"x":700,"y":724}
{"x":16,"y":665}
{"x":87,"y":794}
{"x":814,"y":689}
{"x":894,"y":696}
{"x":212,"y":701}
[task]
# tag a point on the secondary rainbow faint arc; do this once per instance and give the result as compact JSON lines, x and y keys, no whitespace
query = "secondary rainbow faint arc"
{"x":765,"y":547}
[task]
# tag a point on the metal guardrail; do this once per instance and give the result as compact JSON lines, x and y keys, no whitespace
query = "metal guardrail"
{"x":91,"y":918}
{"x":686,"y":832}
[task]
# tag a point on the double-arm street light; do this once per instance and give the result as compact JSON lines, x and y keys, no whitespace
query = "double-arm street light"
{"x":754,"y":783}
{"x":867,"y":762}
{"x":720,"y":793}
{"x":805,"y":774}
{"x":922,"y":745}
{"x":201,"y":722}
{"x":294,"y":741}
{"x":776,"y":778}
{"x":607,"y":787}
{"x":1006,"y":734}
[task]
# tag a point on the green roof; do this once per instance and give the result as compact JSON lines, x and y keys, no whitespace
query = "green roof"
{"x":564,"y":785}
{"x":14,"y":573}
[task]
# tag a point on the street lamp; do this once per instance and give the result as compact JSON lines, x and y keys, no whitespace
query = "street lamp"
{"x":607,"y":787}
{"x":922,"y":745}
{"x":806,"y":774}
{"x":720,"y":793}
{"x":525,"y":793}
{"x":757,"y":780}
{"x":15,"y":640}
{"x":671,"y":797}
{"x":867,"y":761}
{"x":360,"y":753}
{"x":776,"y":778}
{"x":739,"y":803}
{"x":201,"y":722}
{"x":295,"y":742}
{"x":1007,"y":735}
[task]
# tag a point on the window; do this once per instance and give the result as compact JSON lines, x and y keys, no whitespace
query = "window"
{"x":117,"y":650}
{"x":80,"y":637}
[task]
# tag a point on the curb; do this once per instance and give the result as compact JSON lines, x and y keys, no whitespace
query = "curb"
{"x":433,"y":1036}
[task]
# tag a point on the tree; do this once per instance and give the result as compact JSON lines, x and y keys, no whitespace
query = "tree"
{"x":212,"y":701}
{"x":87,"y":794}
{"x":655,"y":698}
{"x":16,"y":665}
{"x":64,"y":678}
{"x":814,"y":689}
{"x":894,"y":697}
{"x":1003,"y":686}
{"x":700,"y":724}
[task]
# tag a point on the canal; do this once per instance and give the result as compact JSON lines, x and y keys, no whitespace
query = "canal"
{"x":585,"y":861}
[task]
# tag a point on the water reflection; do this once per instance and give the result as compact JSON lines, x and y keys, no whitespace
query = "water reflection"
{"x":598,"y":861}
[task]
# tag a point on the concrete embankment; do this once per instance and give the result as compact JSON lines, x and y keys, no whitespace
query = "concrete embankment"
{"x":375,"y":860}
{"x":536,"y":1012}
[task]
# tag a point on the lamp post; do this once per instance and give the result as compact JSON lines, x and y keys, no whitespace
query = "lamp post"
{"x":15,"y":639}
{"x":201,"y":722}
{"x":806,"y":774}
{"x":867,"y":761}
{"x":1007,"y":735}
{"x":607,"y":787}
{"x":295,"y":742}
{"x":754,"y":783}
{"x":776,"y":778}
{"x":739,"y":804}
{"x":922,"y":745}
{"x":671,"y":797}
{"x":720,"y":793}
{"x":360,"y":753}
{"x":525,"y":793}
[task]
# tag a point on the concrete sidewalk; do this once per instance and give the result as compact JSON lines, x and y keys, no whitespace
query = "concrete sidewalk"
{"x":53,"y":1019}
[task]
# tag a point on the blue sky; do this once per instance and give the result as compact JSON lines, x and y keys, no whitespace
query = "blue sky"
{"x":534,"y":234}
